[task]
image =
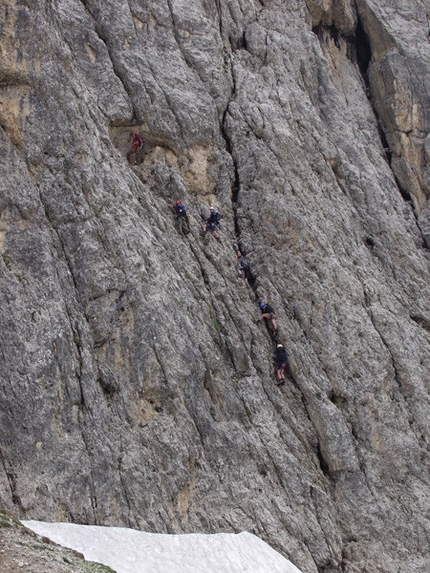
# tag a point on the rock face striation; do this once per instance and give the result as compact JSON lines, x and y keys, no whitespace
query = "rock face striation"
{"x":136,"y":387}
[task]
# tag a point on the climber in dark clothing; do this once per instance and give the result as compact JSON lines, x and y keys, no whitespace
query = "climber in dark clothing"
{"x":136,"y":147}
{"x":243,"y":267}
{"x":181,"y":217}
{"x":212,"y":223}
{"x":281,"y":362}
{"x":267,"y":312}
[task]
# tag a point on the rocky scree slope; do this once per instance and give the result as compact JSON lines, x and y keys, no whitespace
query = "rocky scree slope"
{"x":23,"y":550}
{"x":136,"y":387}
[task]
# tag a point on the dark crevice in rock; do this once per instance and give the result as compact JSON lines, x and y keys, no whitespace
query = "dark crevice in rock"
{"x":64,"y":254}
{"x":425,"y":236}
{"x":103,"y":38}
{"x":235,"y":42}
{"x":238,"y":43}
{"x":93,"y":498}
{"x":327,"y":567}
{"x":387,"y":150}
{"x":77,"y":339}
{"x":369,"y":242}
{"x":225,"y":131}
{"x":323,"y":464}
{"x":235,"y":190}
{"x":236,"y":184}
{"x":101,"y":34}
{"x":360,"y":47}
{"x":333,"y":33}
{"x":359,"y":52}
{"x":165,"y":377}
{"x":405,"y":194}
{"x":421,"y":321}
{"x":108,"y":381}
{"x":340,"y":401}
{"x":11,"y":479}
{"x":123,"y":481}
{"x":168,"y":100}
{"x":397,"y":377}
{"x":90,"y":478}
{"x":278,"y":472}
{"x":203,"y":271}
{"x":74,"y":325}
{"x":356,"y":435}
{"x":179,"y":43}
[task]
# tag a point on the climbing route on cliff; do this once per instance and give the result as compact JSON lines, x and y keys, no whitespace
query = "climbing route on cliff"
{"x":132,"y":364}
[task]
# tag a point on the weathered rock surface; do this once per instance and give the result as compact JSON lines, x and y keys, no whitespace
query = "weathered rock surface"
{"x":136,"y":387}
{"x":23,"y":550}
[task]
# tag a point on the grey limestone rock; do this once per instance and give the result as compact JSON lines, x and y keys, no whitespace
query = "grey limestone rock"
{"x":136,"y":386}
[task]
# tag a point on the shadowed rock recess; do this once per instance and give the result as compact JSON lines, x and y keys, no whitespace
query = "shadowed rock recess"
{"x":136,"y":387}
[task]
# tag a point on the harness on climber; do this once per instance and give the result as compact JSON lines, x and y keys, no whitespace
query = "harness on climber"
{"x":181,"y":217}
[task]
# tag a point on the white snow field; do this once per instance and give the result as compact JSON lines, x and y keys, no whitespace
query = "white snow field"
{"x":131,"y":551}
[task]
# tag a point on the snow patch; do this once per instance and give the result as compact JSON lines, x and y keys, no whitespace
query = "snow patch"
{"x":131,"y":551}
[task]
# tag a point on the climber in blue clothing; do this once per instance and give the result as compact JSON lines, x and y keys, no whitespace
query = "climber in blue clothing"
{"x":243,"y":267}
{"x":181,"y":217}
{"x":268,"y":313}
{"x":212,"y":223}
{"x":281,"y":362}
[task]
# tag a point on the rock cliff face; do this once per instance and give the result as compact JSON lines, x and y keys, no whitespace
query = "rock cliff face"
{"x":136,"y":387}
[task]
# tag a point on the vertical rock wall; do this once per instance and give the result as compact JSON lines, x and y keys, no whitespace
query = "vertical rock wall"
{"x":136,"y":387}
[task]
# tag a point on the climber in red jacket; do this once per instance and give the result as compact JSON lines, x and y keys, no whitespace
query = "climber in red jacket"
{"x":136,"y":147}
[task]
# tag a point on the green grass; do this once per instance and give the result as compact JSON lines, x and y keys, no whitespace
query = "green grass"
{"x":215,"y":322}
{"x":7,"y":520}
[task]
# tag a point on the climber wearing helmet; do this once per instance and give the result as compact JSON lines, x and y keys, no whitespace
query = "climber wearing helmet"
{"x":212,"y":223}
{"x":281,"y":362}
{"x":268,"y":313}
